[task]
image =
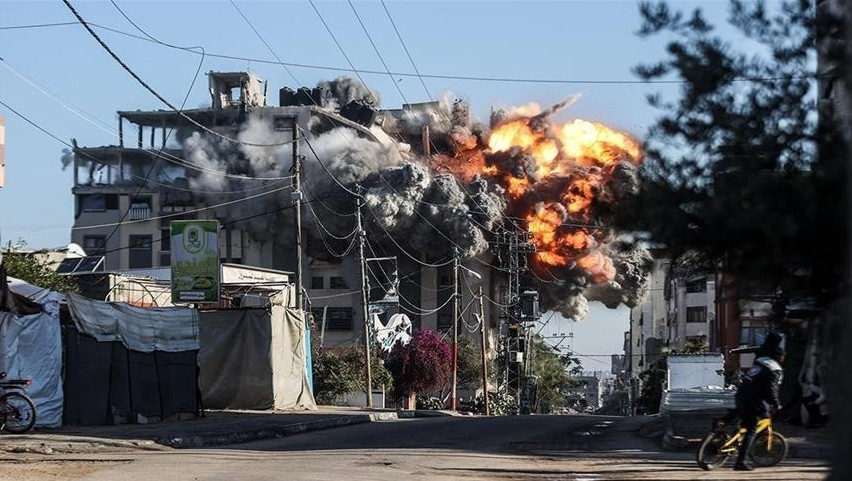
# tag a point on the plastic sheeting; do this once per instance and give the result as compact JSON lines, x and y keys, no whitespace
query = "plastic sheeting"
{"x":31,"y":348}
{"x":170,"y":329}
{"x":254,"y":359}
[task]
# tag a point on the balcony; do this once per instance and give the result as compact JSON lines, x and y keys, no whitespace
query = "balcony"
{"x":139,"y":211}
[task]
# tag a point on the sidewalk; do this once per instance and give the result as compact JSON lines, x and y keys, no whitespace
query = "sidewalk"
{"x":214,"y":429}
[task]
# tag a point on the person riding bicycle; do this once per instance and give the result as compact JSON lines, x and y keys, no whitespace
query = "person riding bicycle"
{"x":757,"y":395}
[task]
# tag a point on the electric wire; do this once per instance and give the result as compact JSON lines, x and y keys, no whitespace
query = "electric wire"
{"x":268,"y":47}
{"x":157,"y":94}
{"x":343,"y":52}
{"x":472,"y":78}
{"x":376,"y":49}
{"x":191,"y":211}
{"x":305,"y":134}
{"x":410,"y":59}
{"x":99,"y":160}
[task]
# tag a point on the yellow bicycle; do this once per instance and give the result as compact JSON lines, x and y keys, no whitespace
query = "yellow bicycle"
{"x":768,"y":449}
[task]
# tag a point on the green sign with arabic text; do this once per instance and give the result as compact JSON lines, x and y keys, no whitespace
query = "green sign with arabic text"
{"x":195,"y":261}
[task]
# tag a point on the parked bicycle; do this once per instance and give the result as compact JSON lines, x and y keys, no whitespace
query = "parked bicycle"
{"x":17,"y":410}
{"x":768,"y":448}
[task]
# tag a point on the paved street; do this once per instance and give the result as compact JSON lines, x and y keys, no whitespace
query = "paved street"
{"x":524,"y":447}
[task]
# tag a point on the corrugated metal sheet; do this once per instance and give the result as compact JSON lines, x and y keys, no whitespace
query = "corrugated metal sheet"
{"x":697,"y":399}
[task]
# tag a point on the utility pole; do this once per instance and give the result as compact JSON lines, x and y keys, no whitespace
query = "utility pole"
{"x":296,"y":196}
{"x":454,"y":398}
{"x":364,"y":308}
{"x":483,"y":336}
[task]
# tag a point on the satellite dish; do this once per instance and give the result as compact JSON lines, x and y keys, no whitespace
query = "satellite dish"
{"x":74,"y":251}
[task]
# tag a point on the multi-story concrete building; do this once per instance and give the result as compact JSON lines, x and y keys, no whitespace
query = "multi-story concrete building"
{"x":691,"y":311}
{"x":126,"y":195}
{"x":648,"y":322}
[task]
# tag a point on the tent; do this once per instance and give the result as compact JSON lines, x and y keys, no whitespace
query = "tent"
{"x":31,"y":344}
{"x":254,"y":358}
{"x":126,"y":364}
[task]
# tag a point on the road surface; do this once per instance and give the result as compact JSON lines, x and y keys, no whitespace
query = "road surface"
{"x":579,"y":448}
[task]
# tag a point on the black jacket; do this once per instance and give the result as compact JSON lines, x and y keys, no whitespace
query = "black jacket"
{"x":760,"y":385}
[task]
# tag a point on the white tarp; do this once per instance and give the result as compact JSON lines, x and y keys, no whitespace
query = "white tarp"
{"x":170,"y":329}
{"x":31,"y":348}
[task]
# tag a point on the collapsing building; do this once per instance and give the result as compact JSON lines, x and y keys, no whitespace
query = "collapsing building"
{"x":433,"y":183}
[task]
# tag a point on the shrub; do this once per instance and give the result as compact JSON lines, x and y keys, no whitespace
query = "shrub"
{"x":421,"y":365}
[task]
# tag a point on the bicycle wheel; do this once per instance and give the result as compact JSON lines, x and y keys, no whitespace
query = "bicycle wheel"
{"x":19,"y":414}
{"x":708,"y":455}
{"x":762,"y":455}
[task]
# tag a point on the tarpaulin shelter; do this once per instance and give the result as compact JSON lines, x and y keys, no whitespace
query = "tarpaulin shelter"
{"x":255,"y":358}
{"x":31,"y":344}
{"x":129,"y":364}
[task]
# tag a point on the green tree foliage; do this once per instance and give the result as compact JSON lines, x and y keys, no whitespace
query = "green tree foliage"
{"x":26,"y":267}
{"x":653,"y":379}
{"x":552,"y":376}
{"x":340,"y":373}
{"x":737,"y":166}
{"x":470,"y":365}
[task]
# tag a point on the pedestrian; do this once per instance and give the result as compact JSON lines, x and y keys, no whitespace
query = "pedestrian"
{"x":757,"y":394}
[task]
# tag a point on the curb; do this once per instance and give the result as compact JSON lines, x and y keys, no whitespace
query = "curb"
{"x":205,"y":440}
{"x":424,"y":413}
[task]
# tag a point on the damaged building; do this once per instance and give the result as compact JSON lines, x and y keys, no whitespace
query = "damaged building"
{"x":233,"y":162}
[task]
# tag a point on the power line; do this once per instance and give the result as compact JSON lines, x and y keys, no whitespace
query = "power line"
{"x":266,"y":44}
{"x":410,"y":59}
{"x":340,"y":47}
{"x":155,"y":93}
{"x":322,"y":164}
{"x":36,"y":25}
{"x":176,"y":160}
{"x":191,"y":211}
{"x":376,"y":49}
{"x":472,"y":78}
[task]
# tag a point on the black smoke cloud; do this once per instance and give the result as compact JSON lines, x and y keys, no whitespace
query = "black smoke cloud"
{"x":407,"y":205}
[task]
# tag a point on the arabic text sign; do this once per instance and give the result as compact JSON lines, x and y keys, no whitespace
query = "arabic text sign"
{"x":195,"y":261}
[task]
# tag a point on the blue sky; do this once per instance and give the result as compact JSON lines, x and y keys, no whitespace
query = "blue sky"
{"x":567,"y":40}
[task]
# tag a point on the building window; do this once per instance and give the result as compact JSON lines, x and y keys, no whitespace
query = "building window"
{"x":140,"y":208}
{"x":166,"y":240}
{"x":752,"y":335}
{"x":282,"y":122}
{"x":94,"y":245}
{"x":697,"y":285}
{"x":317,"y":283}
{"x":337,"y":318}
{"x":696,"y":314}
{"x":97,"y":202}
{"x":140,"y":254}
{"x":337,"y":283}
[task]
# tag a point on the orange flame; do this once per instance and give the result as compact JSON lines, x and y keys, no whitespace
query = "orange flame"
{"x":599,"y":266}
{"x":517,"y":186}
{"x":576,"y":151}
{"x":596,"y":144}
{"x":579,"y":195}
